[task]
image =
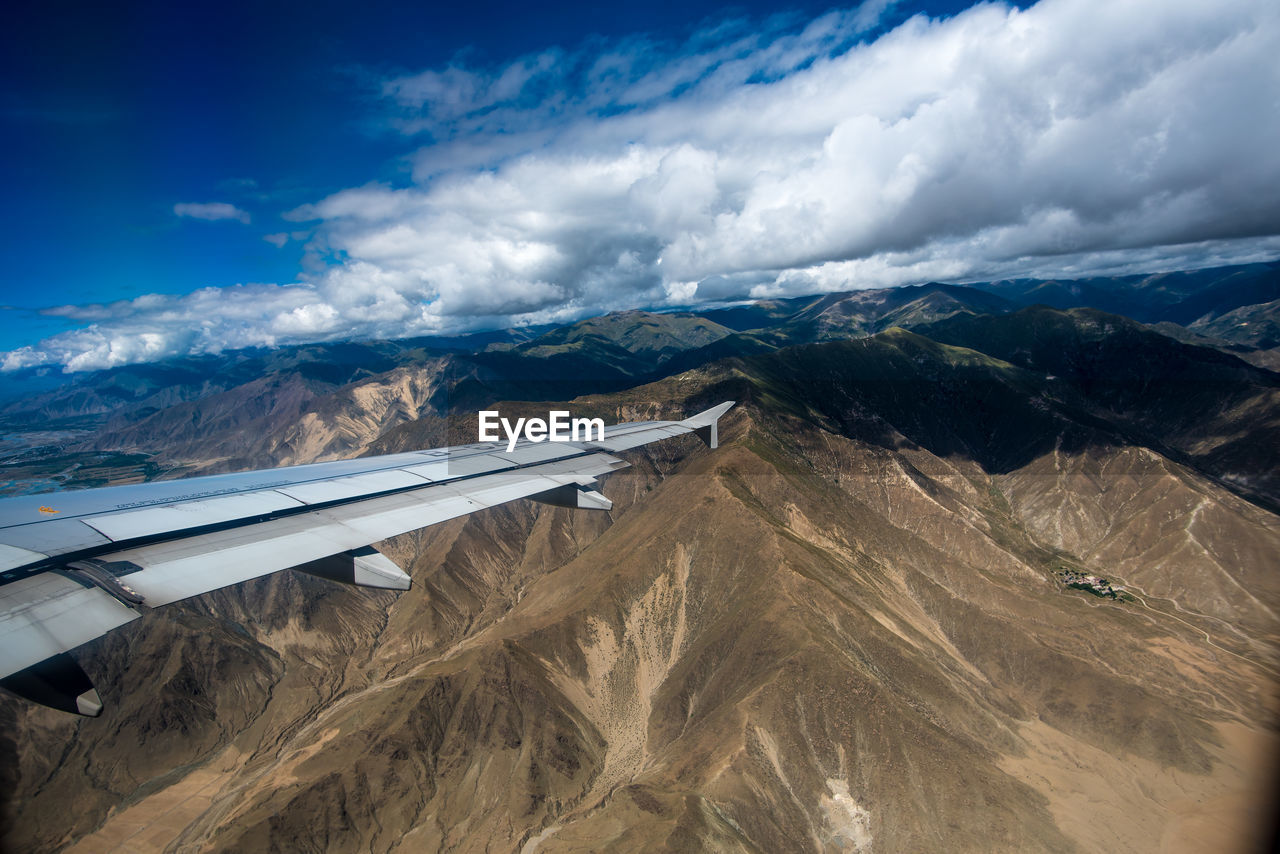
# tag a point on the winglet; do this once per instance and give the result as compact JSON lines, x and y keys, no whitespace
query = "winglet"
{"x":704,"y":423}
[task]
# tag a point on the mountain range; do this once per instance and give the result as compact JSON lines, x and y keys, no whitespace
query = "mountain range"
{"x":875,"y":619}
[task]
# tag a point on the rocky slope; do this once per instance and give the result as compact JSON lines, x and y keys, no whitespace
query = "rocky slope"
{"x":282,"y":419}
{"x":1198,"y":405}
{"x":1255,"y":329}
{"x":844,"y":630}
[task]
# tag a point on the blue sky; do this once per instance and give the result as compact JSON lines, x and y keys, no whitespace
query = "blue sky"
{"x":113,"y":116}
{"x":187,"y":178}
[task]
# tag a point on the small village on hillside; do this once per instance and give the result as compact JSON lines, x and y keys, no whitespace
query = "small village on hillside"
{"x":1094,"y":584}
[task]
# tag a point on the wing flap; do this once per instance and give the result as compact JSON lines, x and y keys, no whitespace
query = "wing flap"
{"x":43,"y":615}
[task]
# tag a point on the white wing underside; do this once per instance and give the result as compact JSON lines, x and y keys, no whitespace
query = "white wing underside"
{"x":75,"y":565}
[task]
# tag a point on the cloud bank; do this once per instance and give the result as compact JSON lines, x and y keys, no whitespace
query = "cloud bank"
{"x":1074,"y":137}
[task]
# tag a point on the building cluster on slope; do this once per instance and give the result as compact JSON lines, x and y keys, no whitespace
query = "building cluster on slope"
{"x":1094,"y":584}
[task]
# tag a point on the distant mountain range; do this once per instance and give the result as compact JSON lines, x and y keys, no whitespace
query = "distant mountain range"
{"x":858,"y":625}
{"x":1234,"y":307}
{"x":323,"y":401}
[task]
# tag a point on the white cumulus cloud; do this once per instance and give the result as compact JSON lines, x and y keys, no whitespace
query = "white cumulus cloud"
{"x":1070,"y":138}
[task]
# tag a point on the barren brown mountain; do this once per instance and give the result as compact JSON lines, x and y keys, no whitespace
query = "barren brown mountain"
{"x":858,"y":626}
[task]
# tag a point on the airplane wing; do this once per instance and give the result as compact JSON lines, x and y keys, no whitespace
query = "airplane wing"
{"x":76,"y":564}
